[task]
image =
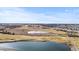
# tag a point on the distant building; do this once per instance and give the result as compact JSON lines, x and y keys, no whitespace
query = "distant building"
{"x":73,"y":33}
{"x":37,"y":26}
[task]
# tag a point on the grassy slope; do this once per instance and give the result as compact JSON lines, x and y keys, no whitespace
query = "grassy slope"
{"x":6,"y":37}
{"x":76,"y":41}
{"x":56,"y":38}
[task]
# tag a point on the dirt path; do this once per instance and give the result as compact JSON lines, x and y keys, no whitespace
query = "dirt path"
{"x":73,"y":44}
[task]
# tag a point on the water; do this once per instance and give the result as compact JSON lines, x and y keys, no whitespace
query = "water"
{"x":35,"y":46}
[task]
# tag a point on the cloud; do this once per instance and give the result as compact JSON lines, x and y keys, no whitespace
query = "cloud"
{"x":20,"y":15}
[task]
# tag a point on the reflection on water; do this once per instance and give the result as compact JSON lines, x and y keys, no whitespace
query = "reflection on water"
{"x":35,"y":46}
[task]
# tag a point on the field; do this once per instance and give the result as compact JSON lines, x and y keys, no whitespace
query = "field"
{"x":20,"y":33}
{"x":7,"y":37}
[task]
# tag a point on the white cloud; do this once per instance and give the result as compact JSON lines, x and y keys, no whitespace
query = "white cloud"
{"x":19,"y":15}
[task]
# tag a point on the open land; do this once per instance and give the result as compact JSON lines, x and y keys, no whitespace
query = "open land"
{"x":61,"y":33}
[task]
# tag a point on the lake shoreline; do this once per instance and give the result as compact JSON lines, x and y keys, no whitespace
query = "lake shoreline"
{"x":9,"y":41}
{"x":12,"y":42}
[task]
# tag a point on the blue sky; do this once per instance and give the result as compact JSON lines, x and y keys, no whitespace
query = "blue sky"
{"x":39,"y":15}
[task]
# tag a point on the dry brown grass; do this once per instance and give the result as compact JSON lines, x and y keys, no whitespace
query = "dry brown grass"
{"x":76,"y":41}
{"x":51,"y":30}
{"x":6,"y":37}
{"x":42,"y":38}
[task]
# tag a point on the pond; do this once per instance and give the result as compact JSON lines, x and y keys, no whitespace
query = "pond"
{"x":35,"y":46}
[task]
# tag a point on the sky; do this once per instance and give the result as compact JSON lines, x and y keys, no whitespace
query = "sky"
{"x":39,"y":15}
